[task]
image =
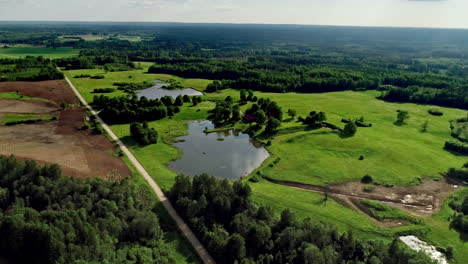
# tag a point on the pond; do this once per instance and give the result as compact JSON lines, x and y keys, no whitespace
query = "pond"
{"x":225,"y":155}
{"x":157,"y":91}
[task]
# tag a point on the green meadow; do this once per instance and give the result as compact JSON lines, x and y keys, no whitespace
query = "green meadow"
{"x":51,"y":53}
{"x":400,"y":155}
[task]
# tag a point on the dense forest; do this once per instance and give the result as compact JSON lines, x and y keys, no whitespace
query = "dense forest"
{"x":28,"y":69}
{"x":236,"y":230}
{"x":49,"y":218}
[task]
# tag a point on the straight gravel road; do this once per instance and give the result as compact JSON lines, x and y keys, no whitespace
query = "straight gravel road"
{"x":186,"y":231}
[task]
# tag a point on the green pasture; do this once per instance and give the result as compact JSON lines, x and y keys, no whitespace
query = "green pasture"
{"x":51,"y":53}
{"x":400,"y":155}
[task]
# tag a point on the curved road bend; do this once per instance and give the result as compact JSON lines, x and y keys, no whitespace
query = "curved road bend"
{"x":186,"y":231}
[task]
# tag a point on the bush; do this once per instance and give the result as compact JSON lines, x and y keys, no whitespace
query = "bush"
{"x":103,"y":90}
{"x":457,"y":147}
{"x":97,"y":77}
{"x":435,"y":112}
{"x":367,"y":179}
{"x":82,"y":76}
{"x":143,"y":134}
{"x":361,"y":157}
{"x":349,"y":130}
{"x":369,"y":188}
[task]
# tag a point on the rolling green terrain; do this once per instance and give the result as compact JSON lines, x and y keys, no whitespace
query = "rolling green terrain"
{"x":51,"y":53}
{"x":399,"y":155}
{"x":393,"y":154}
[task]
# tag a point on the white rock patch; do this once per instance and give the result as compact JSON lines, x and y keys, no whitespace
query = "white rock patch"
{"x":416,"y":244}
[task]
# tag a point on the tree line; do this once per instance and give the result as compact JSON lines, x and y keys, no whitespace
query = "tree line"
{"x":124,"y":109}
{"x":28,"y":69}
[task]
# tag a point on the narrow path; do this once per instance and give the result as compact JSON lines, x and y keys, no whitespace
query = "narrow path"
{"x":186,"y":231}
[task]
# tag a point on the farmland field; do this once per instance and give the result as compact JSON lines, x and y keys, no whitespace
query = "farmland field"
{"x":51,"y":53}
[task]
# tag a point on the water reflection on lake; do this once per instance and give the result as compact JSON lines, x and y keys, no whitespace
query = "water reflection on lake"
{"x":225,"y":155}
{"x":157,"y":91}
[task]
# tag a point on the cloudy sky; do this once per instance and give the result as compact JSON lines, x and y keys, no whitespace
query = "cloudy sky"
{"x":412,"y":13}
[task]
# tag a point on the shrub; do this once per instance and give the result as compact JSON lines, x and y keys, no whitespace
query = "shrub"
{"x":361,"y":157}
{"x":82,"y":76}
{"x":349,"y":130}
{"x":97,"y":77}
{"x":435,"y":112}
{"x":367,"y":179}
{"x":369,"y":188}
{"x":143,"y":134}
{"x":103,"y":90}
{"x":457,"y":147}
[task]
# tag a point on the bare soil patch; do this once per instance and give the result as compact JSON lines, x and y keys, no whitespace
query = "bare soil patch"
{"x":56,"y":91}
{"x":25,"y":106}
{"x":80,"y":153}
{"x":421,"y":200}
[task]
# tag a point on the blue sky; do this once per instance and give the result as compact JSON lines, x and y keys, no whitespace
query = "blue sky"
{"x":400,"y":13}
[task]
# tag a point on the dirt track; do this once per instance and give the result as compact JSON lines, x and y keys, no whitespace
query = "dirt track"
{"x":420,"y":200}
{"x":79,"y":153}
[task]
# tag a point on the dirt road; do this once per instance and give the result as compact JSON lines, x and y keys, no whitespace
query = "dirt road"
{"x":186,"y":231}
{"x":421,"y":200}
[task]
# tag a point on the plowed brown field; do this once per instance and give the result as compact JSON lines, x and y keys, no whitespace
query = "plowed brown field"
{"x":80,"y":153}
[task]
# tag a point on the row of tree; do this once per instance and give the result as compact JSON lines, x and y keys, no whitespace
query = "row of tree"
{"x":236,"y":230}
{"x":28,"y":69}
{"x":48,"y":218}
{"x":122,"y":110}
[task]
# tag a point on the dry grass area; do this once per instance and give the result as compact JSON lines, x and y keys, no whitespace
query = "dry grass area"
{"x":80,"y":153}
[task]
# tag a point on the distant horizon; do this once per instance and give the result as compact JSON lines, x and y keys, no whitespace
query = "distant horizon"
{"x":226,"y":23}
{"x":360,"y":13}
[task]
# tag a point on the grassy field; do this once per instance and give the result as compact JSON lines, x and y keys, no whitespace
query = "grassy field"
{"x":393,"y":154}
{"x":87,"y":85}
{"x":50,"y":53}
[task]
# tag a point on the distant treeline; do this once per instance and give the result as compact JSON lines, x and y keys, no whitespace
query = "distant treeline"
{"x":28,"y":69}
{"x":48,"y":218}
{"x":110,"y":63}
{"x":236,"y":230}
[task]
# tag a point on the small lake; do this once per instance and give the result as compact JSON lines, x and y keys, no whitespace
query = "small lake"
{"x":157,"y":91}
{"x":225,"y":155}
